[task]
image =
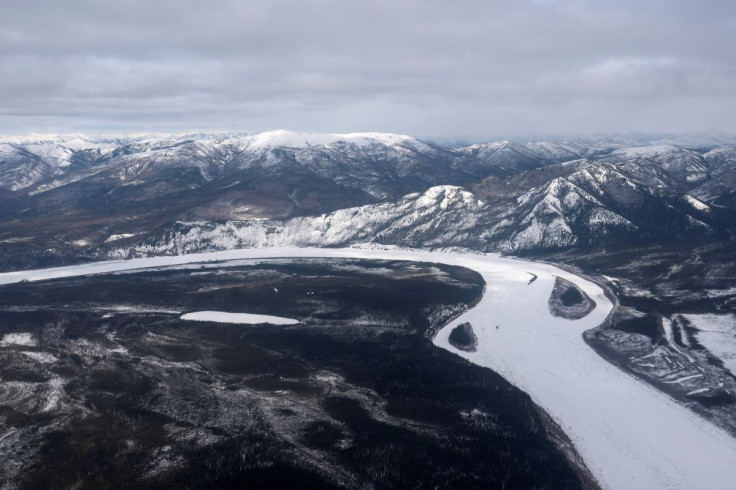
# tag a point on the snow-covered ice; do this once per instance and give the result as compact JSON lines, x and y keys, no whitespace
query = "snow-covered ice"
{"x":247,"y":318}
{"x":630,"y":434}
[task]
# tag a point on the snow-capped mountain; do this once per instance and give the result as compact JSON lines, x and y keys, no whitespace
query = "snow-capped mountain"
{"x":75,"y":193}
{"x":304,"y":171}
{"x":442,"y":216}
{"x":720,"y":189}
{"x":593,"y":206}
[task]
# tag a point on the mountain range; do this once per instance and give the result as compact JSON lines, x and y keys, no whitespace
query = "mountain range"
{"x":71,"y":196}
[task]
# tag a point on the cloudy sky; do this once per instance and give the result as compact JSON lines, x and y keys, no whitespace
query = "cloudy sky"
{"x":431,"y":68}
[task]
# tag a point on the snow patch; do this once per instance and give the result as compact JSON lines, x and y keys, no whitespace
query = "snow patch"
{"x":292,"y":139}
{"x":244,"y":318}
{"x":119,"y":236}
{"x":42,"y":357}
{"x":717,"y":333}
{"x":23,"y":338}
{"x":697,"y":203}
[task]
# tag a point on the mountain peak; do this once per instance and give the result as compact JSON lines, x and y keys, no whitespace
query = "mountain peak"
{"x":446,"y":195}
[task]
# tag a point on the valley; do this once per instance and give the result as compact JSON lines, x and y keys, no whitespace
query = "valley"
{"x":353,"y":395}
{"x":543,"y":355}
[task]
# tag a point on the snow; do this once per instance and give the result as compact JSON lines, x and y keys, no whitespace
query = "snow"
{"x":717,"y":333}
{"x":42,"y":357}
{"x":292,"y":139}
{"x":57,"y":145}
{"x":446,"y":195}
{"x":556,"y":232}
{"x":410,"y":217}
{"x":247,"y":318}
{"x":555,"y":151}
{"x":685,"y":378}
{"x":119,"y":236}
{"x":57,"y":150}
{"x":697,"y":204}
{"x":52,"y":153}
{"x":630,"y":434}
{"x":44,"y":138}
{"x":54,"y":394}
{"x":23,"y":338}
{"x":8,"y":152}
{"x":646,"y":151}
{"x":698,"y":391}
{"x":600,"y":217}
{"x":718,"y":293}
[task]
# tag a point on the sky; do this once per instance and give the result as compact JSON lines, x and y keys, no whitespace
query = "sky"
{"x":430,"y":68}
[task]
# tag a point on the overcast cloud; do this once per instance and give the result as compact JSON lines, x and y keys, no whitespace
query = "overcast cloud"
{"x":430,"y":68}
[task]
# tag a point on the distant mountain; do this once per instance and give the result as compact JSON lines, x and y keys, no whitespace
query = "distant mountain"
{"x":720,"y":189}
{"x":20,"y":169}
{"x":514,"y":158}
{"x":63,"y":195}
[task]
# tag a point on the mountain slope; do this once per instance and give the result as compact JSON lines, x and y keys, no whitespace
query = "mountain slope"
{"x":593,"y":206}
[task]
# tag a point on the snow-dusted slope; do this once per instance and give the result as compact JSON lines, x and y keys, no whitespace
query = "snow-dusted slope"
{"x":720,"y":189}
{"x":667,"y":166}
{"x":437,"y":217}
{"x":629,"y":434}
{"x":293,"y":173}
{"x":514,"y":157}
{"x":557,"y":151}
{"x":507,"y":156}
{"x":594,"y":205}
{"x":216,"y":155}
{"x":561,"y":215}
{"x":581,"y":204}
{"x":443,"y":216}
{"x":19,"y":168}
{"x":378,"y":163}
{"x":28,"y":161}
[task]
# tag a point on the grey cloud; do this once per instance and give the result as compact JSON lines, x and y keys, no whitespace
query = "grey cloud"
{"x":434,"y":68}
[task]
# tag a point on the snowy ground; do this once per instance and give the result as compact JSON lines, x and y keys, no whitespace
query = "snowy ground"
{"x":245,"y":318}
{"x":717,"y":333}
{"x":630,"y":434}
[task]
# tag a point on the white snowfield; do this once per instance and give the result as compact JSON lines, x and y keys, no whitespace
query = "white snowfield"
{"x":630,"y":435}
{"x":245,"y":318}
{"x":293,"y":139}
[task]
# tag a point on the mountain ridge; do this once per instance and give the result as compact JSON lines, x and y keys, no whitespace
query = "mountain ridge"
{"x":69,"y":195}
